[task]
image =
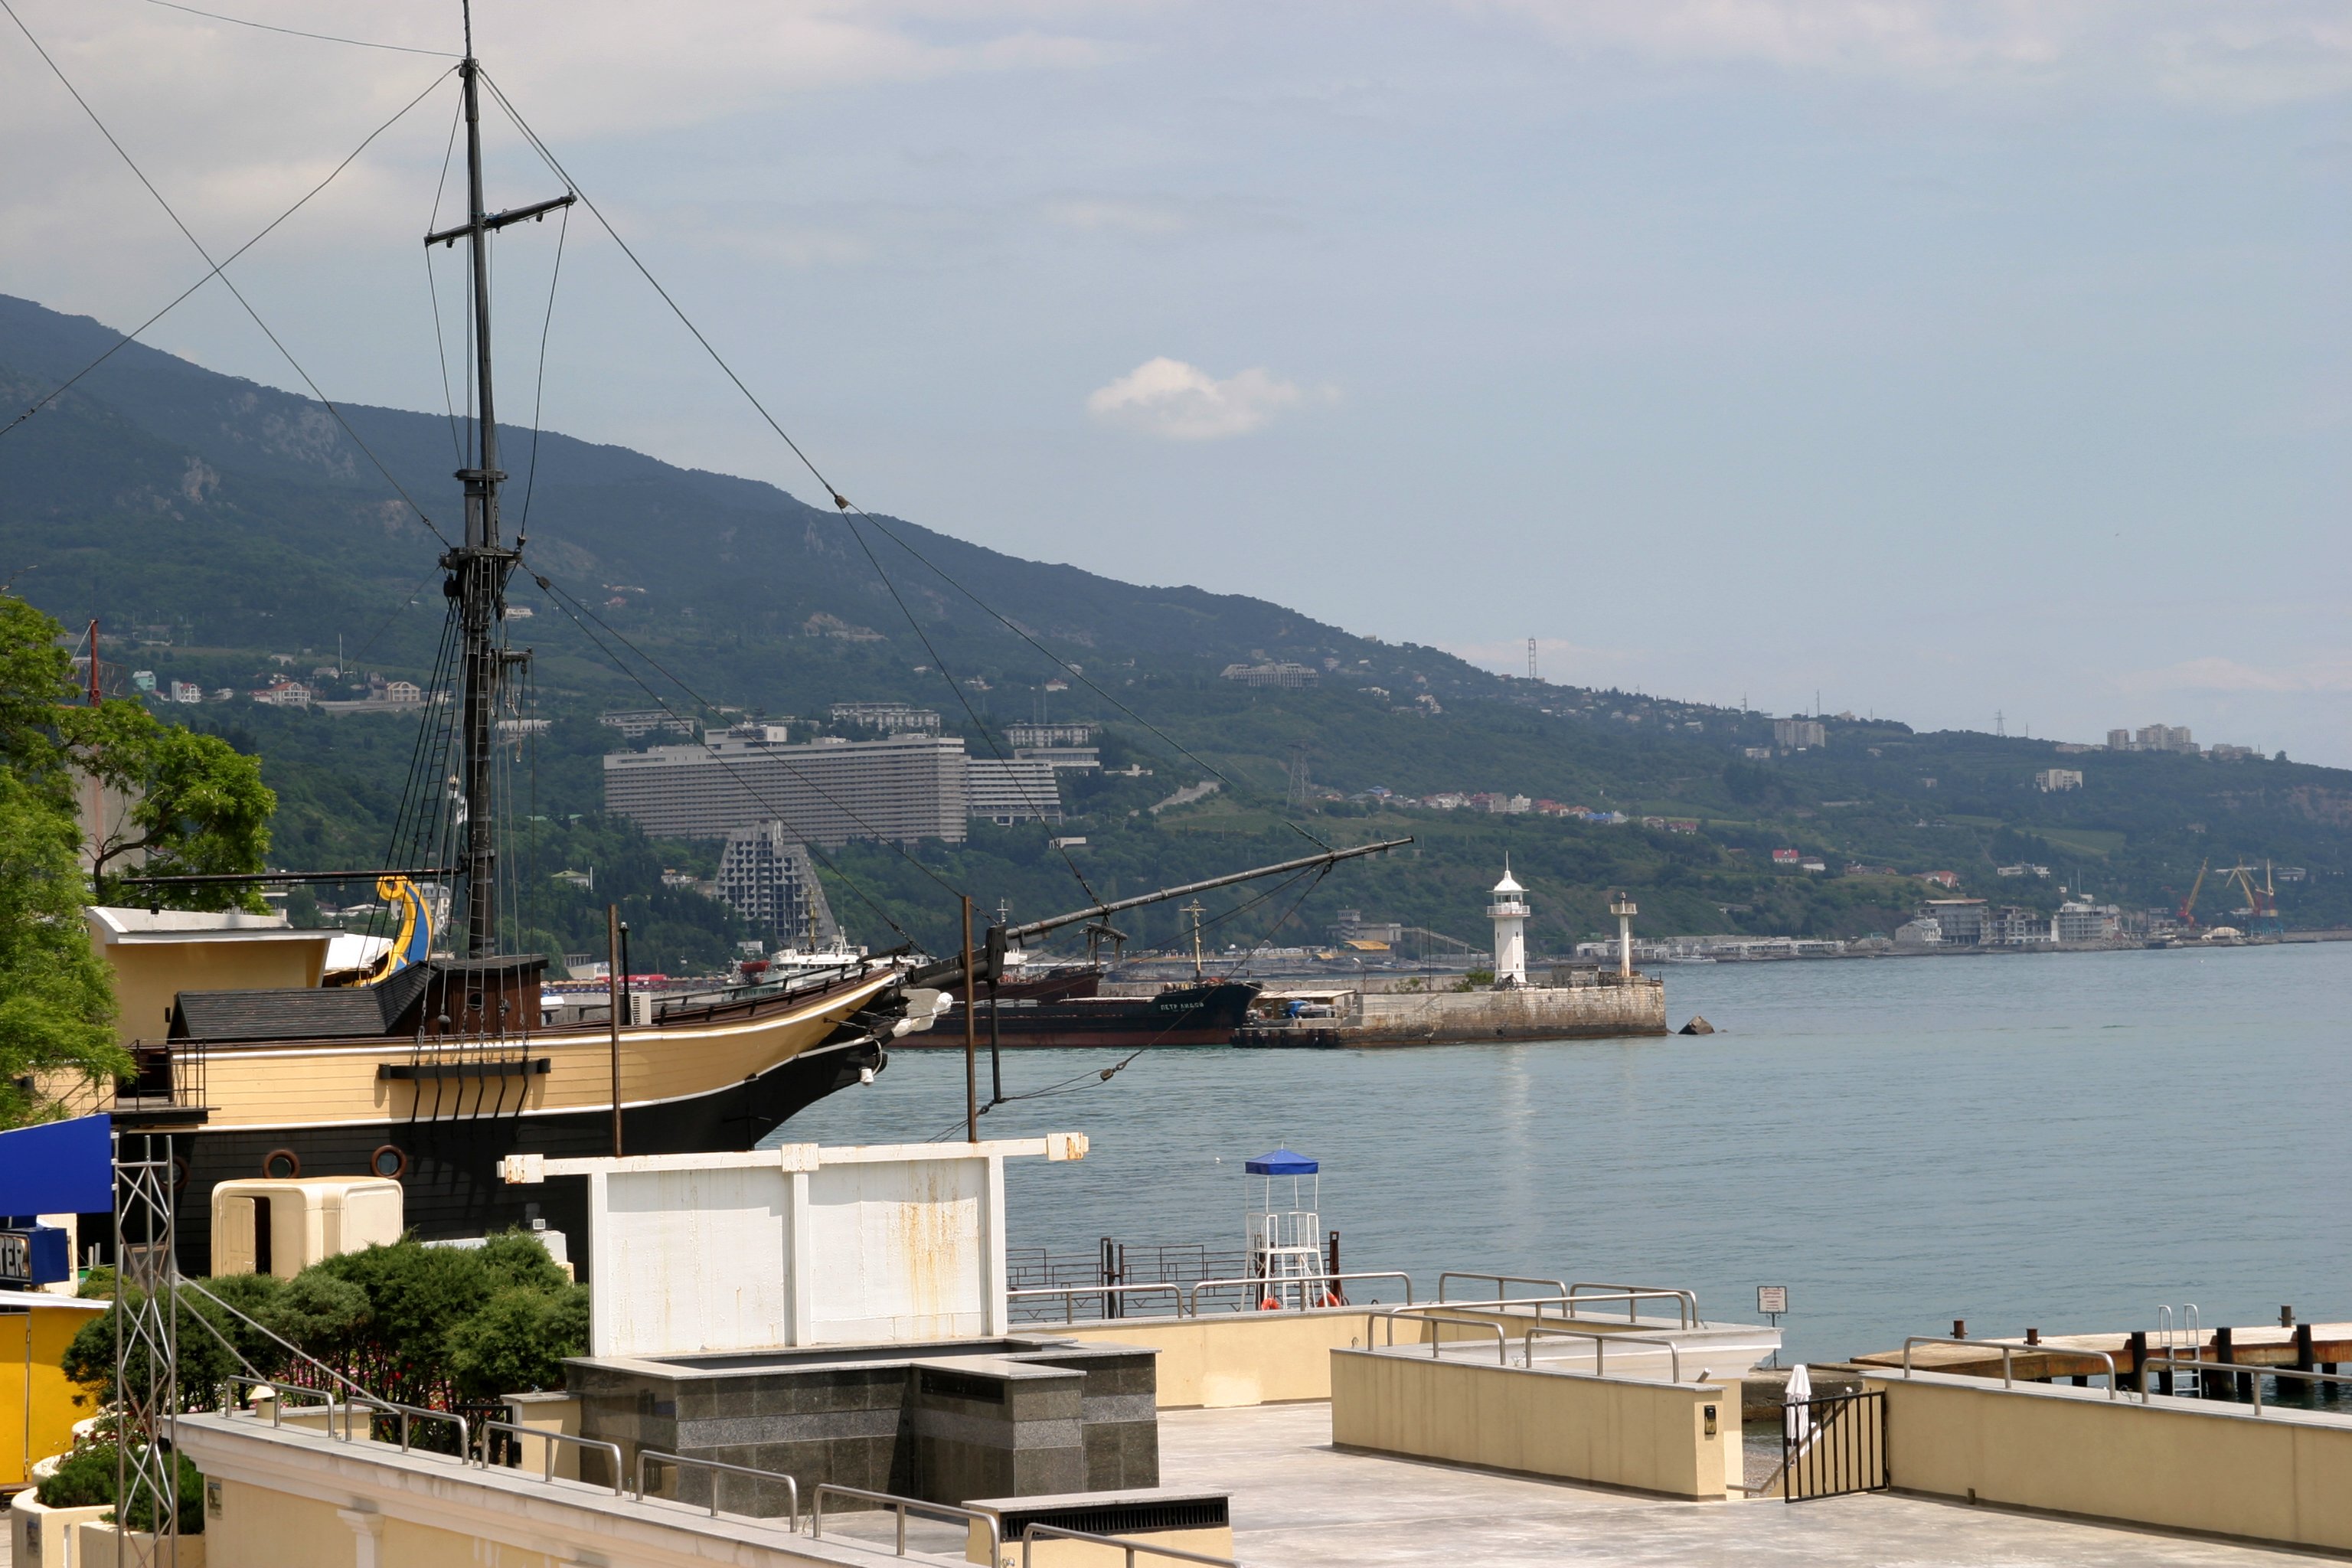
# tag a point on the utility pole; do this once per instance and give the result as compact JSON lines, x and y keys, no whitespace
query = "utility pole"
{"x":970,"y":1036}
{"x":613,"y":1007}
{"x":478,"y":568}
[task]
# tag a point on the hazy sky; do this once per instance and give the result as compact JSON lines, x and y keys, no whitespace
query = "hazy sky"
{"x":1949,"y":359}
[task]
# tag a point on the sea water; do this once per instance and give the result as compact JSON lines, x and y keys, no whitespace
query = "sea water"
{"x":2060,"y":1142}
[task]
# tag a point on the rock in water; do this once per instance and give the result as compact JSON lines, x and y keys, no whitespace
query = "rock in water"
{"x":1698,"y":1026}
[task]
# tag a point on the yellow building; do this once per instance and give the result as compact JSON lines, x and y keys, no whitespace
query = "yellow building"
{"x":37,"y":1404}
{"x":157,"y":953}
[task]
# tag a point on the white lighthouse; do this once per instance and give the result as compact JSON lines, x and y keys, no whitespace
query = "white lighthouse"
{"x":1507,"y":908}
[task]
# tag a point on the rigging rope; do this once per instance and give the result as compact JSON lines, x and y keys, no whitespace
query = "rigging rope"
{"x":558,"y":596}
{"x":964,"y":698}
{"x":539,"y":390}
{"x":433,"y":287}
{"x":1094,"y":1076}
{"x":298,"y":33}
{"x":131,"y":335}
{"x":227,"y":282}
{"x":840,"y":502}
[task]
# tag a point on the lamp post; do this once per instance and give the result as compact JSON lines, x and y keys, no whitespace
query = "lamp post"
{"x":1622,"y":905}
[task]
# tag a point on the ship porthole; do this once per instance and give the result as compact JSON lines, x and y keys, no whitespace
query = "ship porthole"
{"x":388,"y":1161}
{"x":281,"y":1164}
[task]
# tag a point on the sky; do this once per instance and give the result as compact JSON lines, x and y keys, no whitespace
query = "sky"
{"x":1961,"y":362}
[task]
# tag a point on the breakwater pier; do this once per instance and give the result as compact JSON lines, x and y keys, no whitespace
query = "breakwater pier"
{"x":2220,"y":1362}
{"x":1584,"y":1001}
{"x":1597,"y":1006}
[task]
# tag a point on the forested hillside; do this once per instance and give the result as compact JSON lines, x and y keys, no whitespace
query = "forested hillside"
{"x":227,"y":533}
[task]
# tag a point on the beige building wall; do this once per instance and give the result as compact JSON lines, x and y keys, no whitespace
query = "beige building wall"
{"x":258,"y":1527}
{"x":2285,"y":1475}
{"x":153,"y":961}
{"x":1240,"y":1358}
{"x":1229,"y":1359}
{"x":1649,"y":1437}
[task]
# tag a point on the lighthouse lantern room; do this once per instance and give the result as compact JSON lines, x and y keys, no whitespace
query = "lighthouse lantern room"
{"x":1507,"y":908}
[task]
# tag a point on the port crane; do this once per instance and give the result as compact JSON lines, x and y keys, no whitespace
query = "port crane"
{"x":2262,"y":902}
{"x":2186,"y":913}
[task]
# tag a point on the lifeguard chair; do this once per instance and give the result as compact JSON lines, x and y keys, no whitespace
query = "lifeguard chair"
{"x":1286,"y":1232}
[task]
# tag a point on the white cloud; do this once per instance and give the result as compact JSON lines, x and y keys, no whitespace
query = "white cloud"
{"x":2228,"y":54}
{"x":2326,"y":674}
{"x":1099,"y":214}
{"x":1178,"y":402}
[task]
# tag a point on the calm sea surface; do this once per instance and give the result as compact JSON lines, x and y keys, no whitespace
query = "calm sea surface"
{"x":2060,"y":1142}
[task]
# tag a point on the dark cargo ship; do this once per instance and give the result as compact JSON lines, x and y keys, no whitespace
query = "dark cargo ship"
{"x":1064,"y":1008}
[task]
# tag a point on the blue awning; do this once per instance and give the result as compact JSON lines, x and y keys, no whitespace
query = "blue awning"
{"x":1282,"y":1163}
{"x":57,"y":1167}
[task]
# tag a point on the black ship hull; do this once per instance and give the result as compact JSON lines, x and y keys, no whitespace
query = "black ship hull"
{"x":1204,"y":1015}
{"x":450,"y":1180}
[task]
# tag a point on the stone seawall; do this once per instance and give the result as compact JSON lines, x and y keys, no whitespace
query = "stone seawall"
{"x":1545,"y":1013}
{"x":1460,"y":1017}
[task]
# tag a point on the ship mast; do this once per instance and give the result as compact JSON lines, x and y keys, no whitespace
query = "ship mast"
{"x":480,"y":567}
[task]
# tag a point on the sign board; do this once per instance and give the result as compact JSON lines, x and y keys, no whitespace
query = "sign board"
{"x":35,"y":1254}
{"x":1772,"y":1300}
{"x":796,"y":1245}
{"x":57,"y":1167}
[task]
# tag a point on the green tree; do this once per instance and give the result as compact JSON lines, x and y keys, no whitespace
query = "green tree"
{"x":57,"y":1000}
{"x":197,"y":807}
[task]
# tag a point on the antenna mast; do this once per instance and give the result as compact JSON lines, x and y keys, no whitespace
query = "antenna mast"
{"x":478,"y":568}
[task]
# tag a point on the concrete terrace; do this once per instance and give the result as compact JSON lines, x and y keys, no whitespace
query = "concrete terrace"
{"x":1297,"y":1503}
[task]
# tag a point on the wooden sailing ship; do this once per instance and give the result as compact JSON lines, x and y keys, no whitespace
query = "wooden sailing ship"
{"x":431,"y":1070}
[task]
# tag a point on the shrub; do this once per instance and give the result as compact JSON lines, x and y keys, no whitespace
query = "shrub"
{"x":85,"y":1479}
{"x":517,"y":1342}
{"x":427,"y":1326}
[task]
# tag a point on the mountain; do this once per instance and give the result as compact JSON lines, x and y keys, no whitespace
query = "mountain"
{"x":227,"y":530}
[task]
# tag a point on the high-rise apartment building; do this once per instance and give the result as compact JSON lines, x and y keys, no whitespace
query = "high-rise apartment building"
{"x":900,"y":789}
{"x":1021,"y":789}
{"x":1043,"y":734}
{"x":767,"y":878}
{"x":1798,"y":734}
{"x":889,"y":718}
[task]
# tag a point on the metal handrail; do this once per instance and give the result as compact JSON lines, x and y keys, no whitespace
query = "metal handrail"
{"x":1500,"y":1280}
{"x":1191,"y":1307}
{"x":278,"y":1405}
{"x":1068,"y":1292}
{"x":350,"y":1401}
{"x":1600,"y":1341}
{"x":1633,"y":1294}
{"x":791,"y":1487}
{"x":465,"y":1431}
{"x":2253,"y":1372}
{"x":902,"y":1506}
{"x":1502,"y":1343}
{"x":1036,"y":1531}
{"x":620,"y":1486}
{"x":2007,"y":1351}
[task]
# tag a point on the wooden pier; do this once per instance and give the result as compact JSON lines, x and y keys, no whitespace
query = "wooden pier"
{"x":2304,"y":1347}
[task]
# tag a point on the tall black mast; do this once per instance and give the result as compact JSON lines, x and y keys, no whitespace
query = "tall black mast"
{"x":478,"y":568}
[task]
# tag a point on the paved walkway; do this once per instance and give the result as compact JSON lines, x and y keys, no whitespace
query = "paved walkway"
{"x":1299,"y":1504}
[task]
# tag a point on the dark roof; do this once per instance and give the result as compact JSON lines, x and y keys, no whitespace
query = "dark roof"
{"x":394,"y":1006}
{"x":277,"y":1014}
